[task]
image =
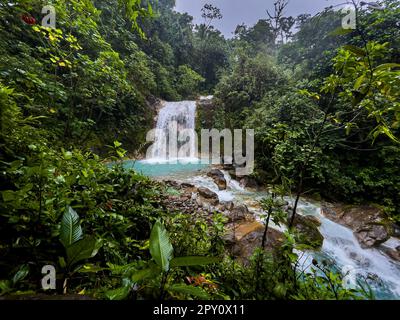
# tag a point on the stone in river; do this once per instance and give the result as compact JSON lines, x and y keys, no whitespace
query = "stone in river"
{"x":218,"y":177}
{"x":371,"y":235}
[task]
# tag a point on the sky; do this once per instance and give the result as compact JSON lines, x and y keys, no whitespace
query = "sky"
{"x":249,"y":12}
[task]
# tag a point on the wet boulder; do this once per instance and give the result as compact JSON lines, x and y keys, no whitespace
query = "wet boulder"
{"x":242,"y":239}
{"x":206,"y":195}
{"x":218,"y":177}
{"x":351,"y":216}
{"x":226,"y":206}
{"x":186,"y":185}
{"x":248,"y":182}
{"x":369,"y":224}
{"x":307,"y":231}
{"x":393,"y":253}
{"x":238,"y":213}
{"x":371,"y":235}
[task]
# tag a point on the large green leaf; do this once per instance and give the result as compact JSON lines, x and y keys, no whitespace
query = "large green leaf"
{"x":189,"y":290}
{"x":83,"y":249}
{"x":356,"y":50}
{"x":160,"y":247}
{"x":120,"y":293}
{"x":8,"y":195}
{"x":5,"y":286}
{"x":193,"y":261}
{"x":359,"y":82}
{"x":144,"y":274}
{"x":387,"y":66}
{"x":71,"y":230}
{"x":21,"y":273}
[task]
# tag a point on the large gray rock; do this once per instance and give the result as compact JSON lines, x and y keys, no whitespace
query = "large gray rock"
{"x":238,"y":213}
{"x":206,"y":195}
{"x":248,"y":182}
{"x":371,"y":235}
{"x":369,"y":224}
{"x":218,"y":177}
{"x":393,"y":253}
{"x":186,"y":185}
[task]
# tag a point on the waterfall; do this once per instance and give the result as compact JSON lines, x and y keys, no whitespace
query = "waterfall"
{"x":174,"y":135}
{"x":341,"y":246}
{"x":175,"y":139}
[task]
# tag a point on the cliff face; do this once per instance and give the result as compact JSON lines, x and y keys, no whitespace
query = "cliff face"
{"x":136,"y":144}
{"x":206,"y":113}
{"x":154,"y":105}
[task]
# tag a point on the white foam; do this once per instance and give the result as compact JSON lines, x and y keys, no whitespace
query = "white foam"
{"x":231,"y":183}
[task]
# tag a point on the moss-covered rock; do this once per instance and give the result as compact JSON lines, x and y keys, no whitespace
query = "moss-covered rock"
{"x":308,"y":232}
{"x":370,"y":224}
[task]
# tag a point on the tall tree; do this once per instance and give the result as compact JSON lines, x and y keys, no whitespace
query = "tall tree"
{"x":280,"y":24}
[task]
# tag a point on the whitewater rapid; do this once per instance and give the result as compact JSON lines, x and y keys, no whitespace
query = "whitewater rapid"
{"x":340,"y":247}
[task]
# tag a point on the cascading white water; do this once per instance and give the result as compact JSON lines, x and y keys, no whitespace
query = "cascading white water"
{"x":340,"y":245}
{"x":173,"y":135}
{"x":232,"y":184}
{"x":223,"y":195}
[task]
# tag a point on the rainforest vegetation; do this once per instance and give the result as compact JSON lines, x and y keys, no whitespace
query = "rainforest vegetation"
{"x":324,"y":102}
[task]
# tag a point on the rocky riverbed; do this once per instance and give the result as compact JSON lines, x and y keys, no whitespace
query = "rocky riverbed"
{"x":353,"y":237}
{"x":244,"y":231}
{"x":370,"y":225}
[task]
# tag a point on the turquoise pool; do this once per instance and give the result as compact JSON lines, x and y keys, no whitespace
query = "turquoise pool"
{"x":164,"y":169}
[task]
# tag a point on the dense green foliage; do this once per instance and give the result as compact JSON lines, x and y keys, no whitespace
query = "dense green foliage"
{"x":325,"y":108}
{"x":92,"y":76}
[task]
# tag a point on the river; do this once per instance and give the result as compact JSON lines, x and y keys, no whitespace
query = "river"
{"x":340,"y":245}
